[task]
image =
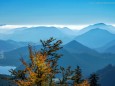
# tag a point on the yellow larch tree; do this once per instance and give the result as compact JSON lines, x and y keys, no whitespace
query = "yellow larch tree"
{"x":42,"y":66}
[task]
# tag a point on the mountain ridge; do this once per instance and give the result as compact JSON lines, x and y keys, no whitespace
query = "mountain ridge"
{"x":95,"y":38}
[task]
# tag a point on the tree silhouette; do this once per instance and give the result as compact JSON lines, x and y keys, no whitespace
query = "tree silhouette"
{"x":93,"y":80}
{"x":77,"y":76}
{"x":66,"y":75}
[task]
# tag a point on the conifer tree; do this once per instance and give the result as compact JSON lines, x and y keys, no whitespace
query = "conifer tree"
{"x":42,"y":67}
{"x":77,"y":76}
{"x":93,"y":80}
{"x":66,"y":75}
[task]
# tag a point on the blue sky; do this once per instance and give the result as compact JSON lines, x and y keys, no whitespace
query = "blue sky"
{"x":65,"y":12}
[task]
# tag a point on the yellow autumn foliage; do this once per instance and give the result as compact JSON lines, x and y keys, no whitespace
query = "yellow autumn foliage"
{"x":84,"y":83}
{"x":38,"y":72}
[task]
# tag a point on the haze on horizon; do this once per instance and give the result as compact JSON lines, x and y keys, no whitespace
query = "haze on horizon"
{"x":72,"y":27}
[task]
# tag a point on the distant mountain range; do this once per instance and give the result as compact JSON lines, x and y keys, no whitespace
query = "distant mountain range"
{"x":34,"y":34}
{"x":74,"y":54}
{"x":92,"y":48}
{"x":103,"y":26}
{"x":7,"y":45}
{"x":95,"y":38}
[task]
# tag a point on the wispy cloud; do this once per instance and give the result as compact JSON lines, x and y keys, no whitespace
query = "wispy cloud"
{"x":75,"y":27}
{"x":114,"y":25}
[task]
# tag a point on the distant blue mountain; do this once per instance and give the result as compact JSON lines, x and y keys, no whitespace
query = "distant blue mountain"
{"x":7,"y":45}
{"x":76,"y":47}
{"x":95,"y":38}
{"x":103,"y":26}
{"x":108,"y":48}
{"x":107,"y":76}
{"x":89,"y":60}
{"x":68,"y":31}
{"x":34,"y":34}
{"x":12,"y":58}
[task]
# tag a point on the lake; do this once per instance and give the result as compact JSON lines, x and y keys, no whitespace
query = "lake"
{"x":5,"y":69}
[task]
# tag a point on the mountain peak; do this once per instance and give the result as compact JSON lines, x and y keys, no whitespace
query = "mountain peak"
{"x":98,"y":30}
{"x":76,"y":47}
{"x":73,"y":42}
{"x":95,"y":38}
{"x":98,"y":24}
